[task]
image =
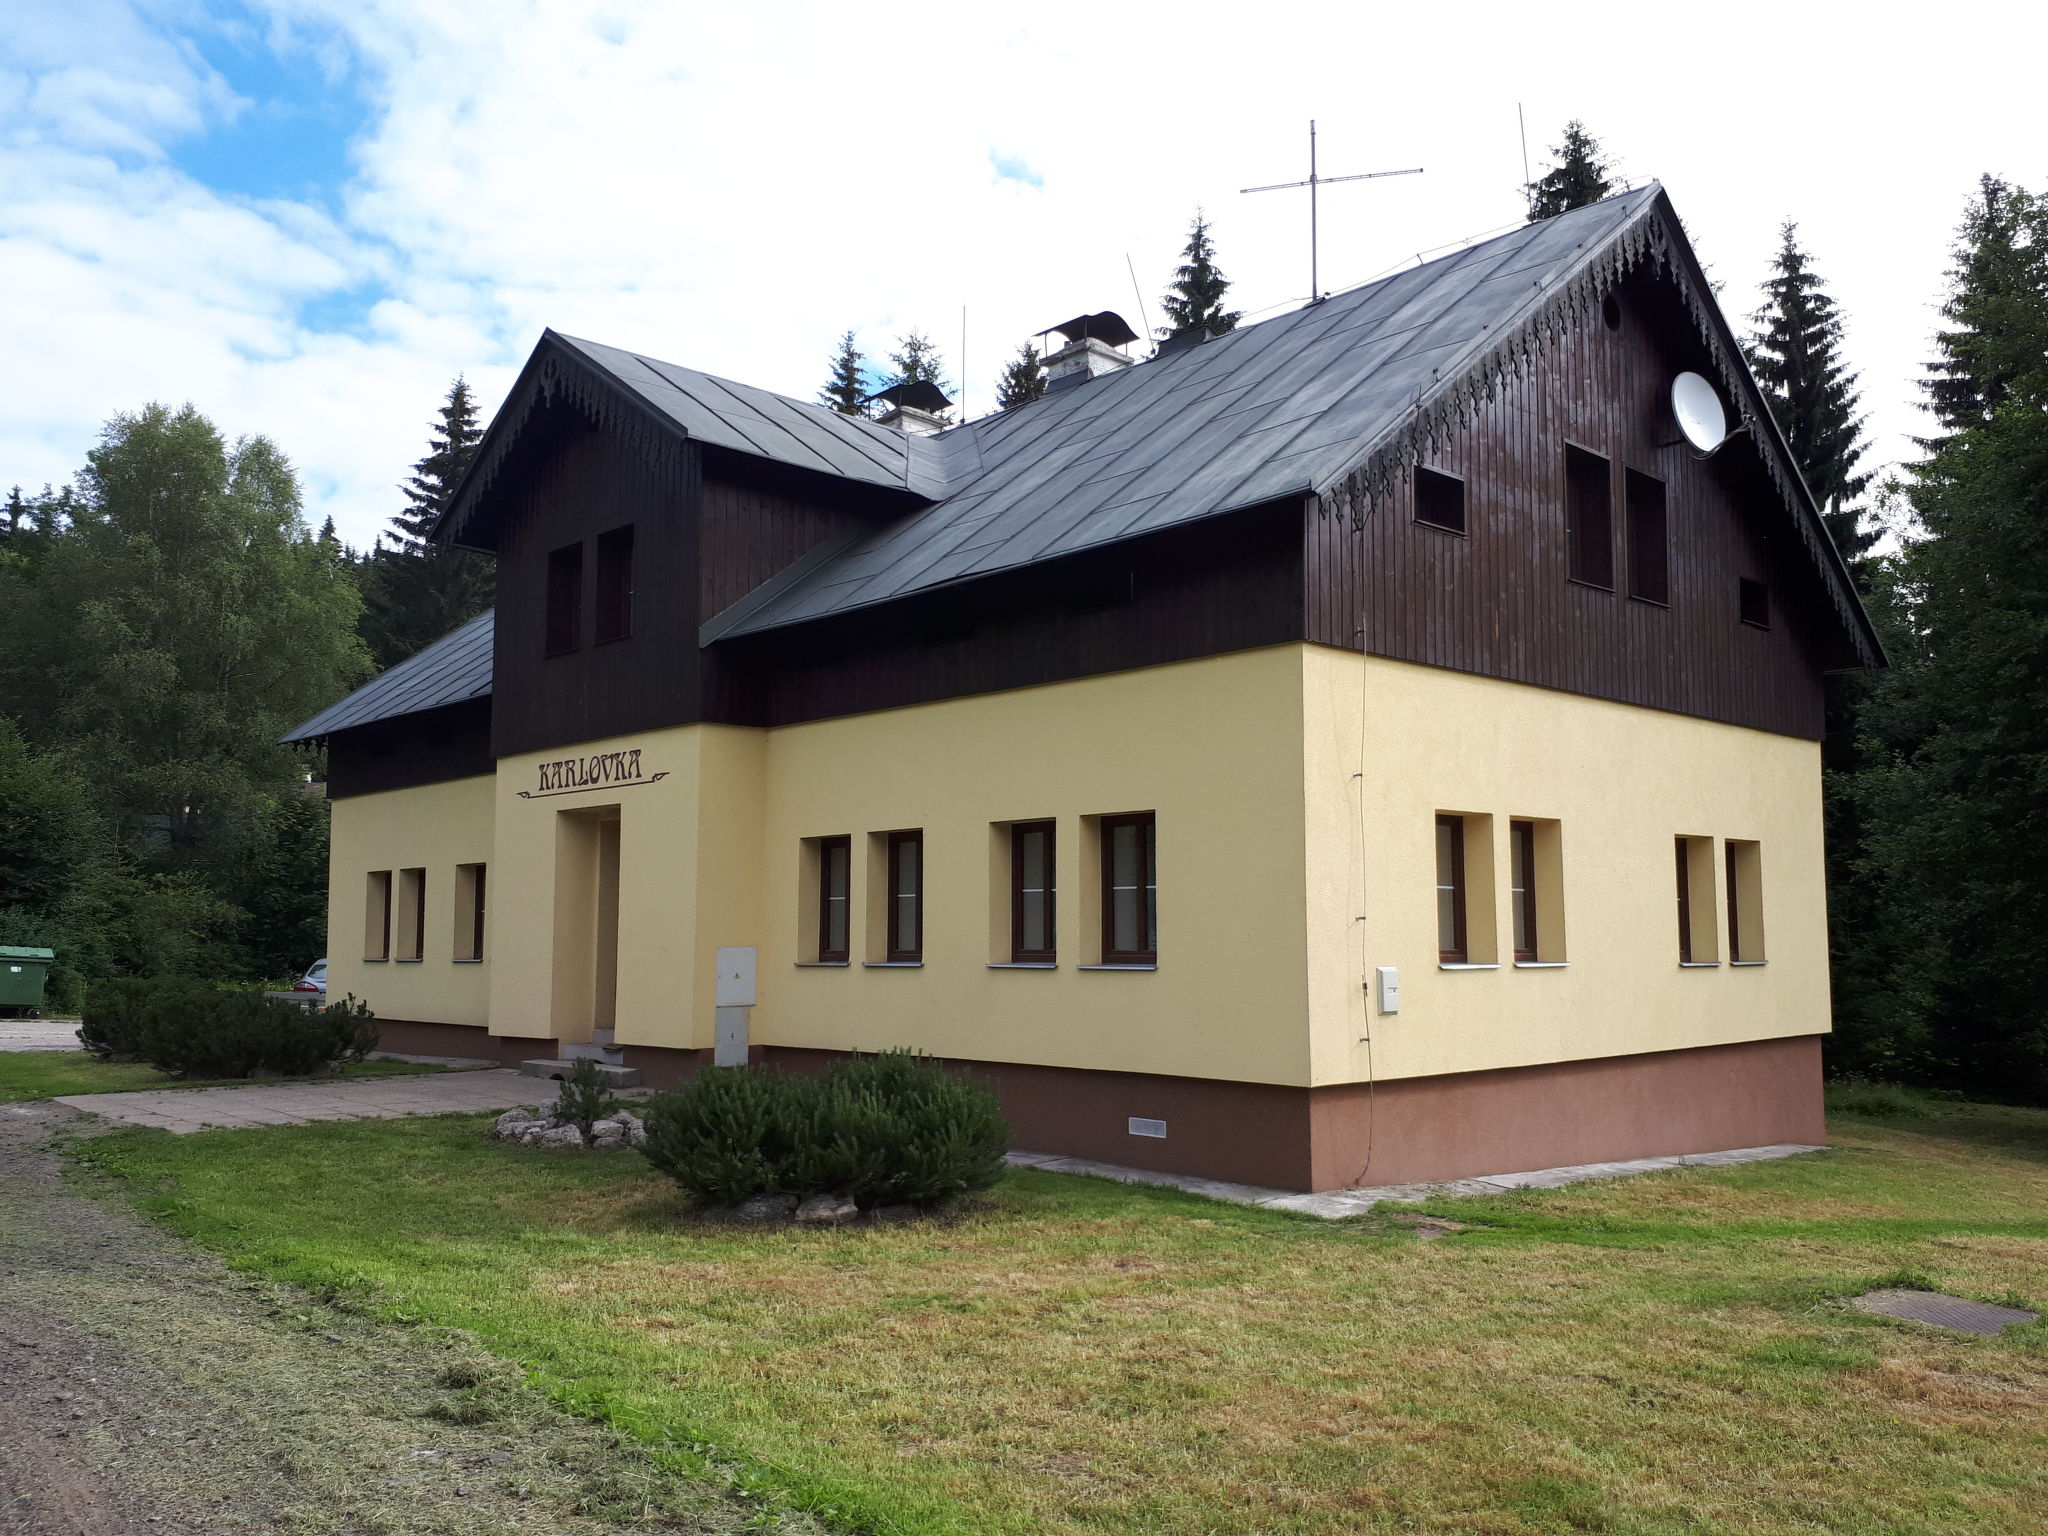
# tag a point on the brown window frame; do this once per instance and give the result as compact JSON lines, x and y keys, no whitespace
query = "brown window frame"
{"x":1683,"y":848}
{"x":1020,"y":953}
{"x":1461,"y":950}
{"x":1753,"y":602}
{"x":562,"y":618}
{"x":1435,"y":491}
{"x":896,"y":950}
{"x":1584,"y":515}
{"x":1646,"y":511}
{"x":1147,"y":823}
{"x":386,"y":882}
{"x":614,"y":586}
{"x":1522,"y":852}
{"x":477,"y":876}
{"x":412,"y":884}
{"x":842,"y":846}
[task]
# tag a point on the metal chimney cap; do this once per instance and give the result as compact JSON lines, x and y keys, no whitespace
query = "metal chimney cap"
{"x":1105,"y":326}
{"x":917,"y":395}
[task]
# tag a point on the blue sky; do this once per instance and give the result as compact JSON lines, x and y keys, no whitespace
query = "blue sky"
{"x":306,"y":216}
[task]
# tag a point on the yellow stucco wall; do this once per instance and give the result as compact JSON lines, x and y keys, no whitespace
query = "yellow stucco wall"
{"x":1295,"y":789}
{"x":434,"y":827}
{"x":1622,"y":783}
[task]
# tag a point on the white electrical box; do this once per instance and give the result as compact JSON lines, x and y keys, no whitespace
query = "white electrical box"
{"x":1390,"y":988}
{"x":730,"y":1050}
{"x":736,"y":975}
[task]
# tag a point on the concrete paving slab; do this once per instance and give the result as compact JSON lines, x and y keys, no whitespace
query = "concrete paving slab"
{"x":1336,"y":1204}
{"x":185,"y":1110}
{"x":38,"y":1034}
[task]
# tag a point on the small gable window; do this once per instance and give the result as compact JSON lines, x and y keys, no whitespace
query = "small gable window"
{"x":1589,"y":518}
{"x":615,"y":585}
{"x":1755,"y":600}
{"x":1439,"y":500}
{"x":1649,"y":560}
{"x":565,"y":599}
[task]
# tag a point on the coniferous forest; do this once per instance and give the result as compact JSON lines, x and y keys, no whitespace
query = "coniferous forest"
{"x":167,"y":614}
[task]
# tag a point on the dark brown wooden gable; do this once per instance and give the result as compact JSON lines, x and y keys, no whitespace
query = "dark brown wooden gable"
{"x":756,"y":519}
{"x":1496,"y":600}
{"x":571,"y":482}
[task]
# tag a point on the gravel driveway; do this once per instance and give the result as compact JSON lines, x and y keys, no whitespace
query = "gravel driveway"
{"x":152,"y":1392}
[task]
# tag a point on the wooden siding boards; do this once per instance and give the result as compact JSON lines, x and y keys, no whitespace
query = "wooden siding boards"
{"x":575,"y":483}
{"x":1497,"y":600}
{"x":429,"y":747}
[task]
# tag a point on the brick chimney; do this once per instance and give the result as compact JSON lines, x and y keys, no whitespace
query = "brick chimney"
{"x":1093,"y":346}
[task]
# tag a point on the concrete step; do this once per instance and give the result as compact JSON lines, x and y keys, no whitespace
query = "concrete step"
{"x":606,"y":1052}
{"x":614,"y":1075}
{"x":603,"y":1036}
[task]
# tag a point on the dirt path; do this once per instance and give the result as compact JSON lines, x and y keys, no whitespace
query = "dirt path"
{"x":149,"y":1391}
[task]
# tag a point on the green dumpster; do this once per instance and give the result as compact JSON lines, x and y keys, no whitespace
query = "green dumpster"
{"x":22,"y":974}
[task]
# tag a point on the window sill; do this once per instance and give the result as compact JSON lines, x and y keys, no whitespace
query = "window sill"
{"x":408,"y":959}
{"x":829,"y":965}
{"x":467,"y":960}
{"x":1699,"y":965}
{"x":1023,"y":965}
{"x":892,"y":965}
{"x":1590,"y":586}
{"x":1468,"y":965}
{"x":376,"y":959}
{"x":1153,"y":967}
{"x":1749,"y":962}
{"x":1541,"y":965}
{"x":1423,"y":522}
{"x":1650,"y":602}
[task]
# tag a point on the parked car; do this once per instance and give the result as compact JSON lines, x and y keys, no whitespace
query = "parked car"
{"x":315,"y":980}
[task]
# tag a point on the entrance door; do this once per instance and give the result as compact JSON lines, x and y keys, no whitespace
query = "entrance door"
{"x":586,"y":984}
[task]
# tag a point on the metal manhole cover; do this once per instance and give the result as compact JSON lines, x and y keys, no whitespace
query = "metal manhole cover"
{"x":1943,"y":1311}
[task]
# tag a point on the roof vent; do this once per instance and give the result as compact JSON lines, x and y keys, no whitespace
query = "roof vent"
{"x":914,"y":406}
{"x":1093,"y":347}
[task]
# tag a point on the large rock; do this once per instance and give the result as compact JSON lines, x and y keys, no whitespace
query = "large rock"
{"x":827,"y":1211}
{"x":513,"y":1121}
{"x":763,"y":1210}
{"x":559,"y":1136}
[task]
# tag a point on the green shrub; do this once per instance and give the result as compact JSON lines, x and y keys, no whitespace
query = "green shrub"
{"x":896,"y":1128}
{"x":585,"y":1097}
{"x":729,"y":1134}
{"x":197,"y":1029}
{"x":1878,"y":1101}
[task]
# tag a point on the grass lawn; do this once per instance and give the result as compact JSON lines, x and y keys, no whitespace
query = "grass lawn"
{"x":47,"y":1074}
{"x":1662,"y":1354}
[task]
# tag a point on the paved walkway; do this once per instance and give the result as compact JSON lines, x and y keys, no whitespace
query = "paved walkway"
{"x":38,"y":1034}
{"x":1337,"y":1203}
{"x":183,"y":1110}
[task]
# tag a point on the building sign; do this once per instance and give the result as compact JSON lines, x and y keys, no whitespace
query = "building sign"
{"x":600,"y":770}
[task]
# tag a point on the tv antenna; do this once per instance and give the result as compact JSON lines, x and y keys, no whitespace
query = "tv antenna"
{"x":1314,"y":181}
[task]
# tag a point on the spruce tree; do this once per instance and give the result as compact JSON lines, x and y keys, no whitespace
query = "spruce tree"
{"x":1023,"y":381}
{"x":1997,"y":336}
{"x":414,"y":592}
{"x":1579,"y":177}
{"x":1796,"y":356}
{"x":846,"y":390}
{"x":13,"y":517}
{"x":917,"y":361}
{"x":1194,"y":300}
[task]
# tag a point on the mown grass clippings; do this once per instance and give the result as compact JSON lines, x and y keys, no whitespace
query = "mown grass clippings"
{"x":1669,"y":1353}
{"x":31,"y":1075}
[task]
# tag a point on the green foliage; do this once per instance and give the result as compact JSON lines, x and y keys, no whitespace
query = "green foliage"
{"x":1998,"y":335}
{"x":585,"y":1097}
{"x":1580,"y":176}
{"x":1194,"y":299}
{"x":728,"y":1134}
{"x":1797,"y":358}
{"x":1023,"y":381}
{"x":846,"y":389}
{"x":1879,"y":1101}
{"x":917,"y":361}
{"x":414,"y":592}
{"x":894,"y":1128}
{"x":198,"y":1029}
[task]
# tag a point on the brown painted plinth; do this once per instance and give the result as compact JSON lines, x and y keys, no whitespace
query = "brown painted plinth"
{"x":1404,"y":1131}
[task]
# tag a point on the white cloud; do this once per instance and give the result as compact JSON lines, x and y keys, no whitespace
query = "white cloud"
{"x":731,"y":187}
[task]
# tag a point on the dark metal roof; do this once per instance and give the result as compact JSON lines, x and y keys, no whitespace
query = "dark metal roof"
{"x":455,"y":668}
{"x":1283,"y":408}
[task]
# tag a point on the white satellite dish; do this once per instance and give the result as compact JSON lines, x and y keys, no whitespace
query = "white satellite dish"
{"x":1697,"y":406}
